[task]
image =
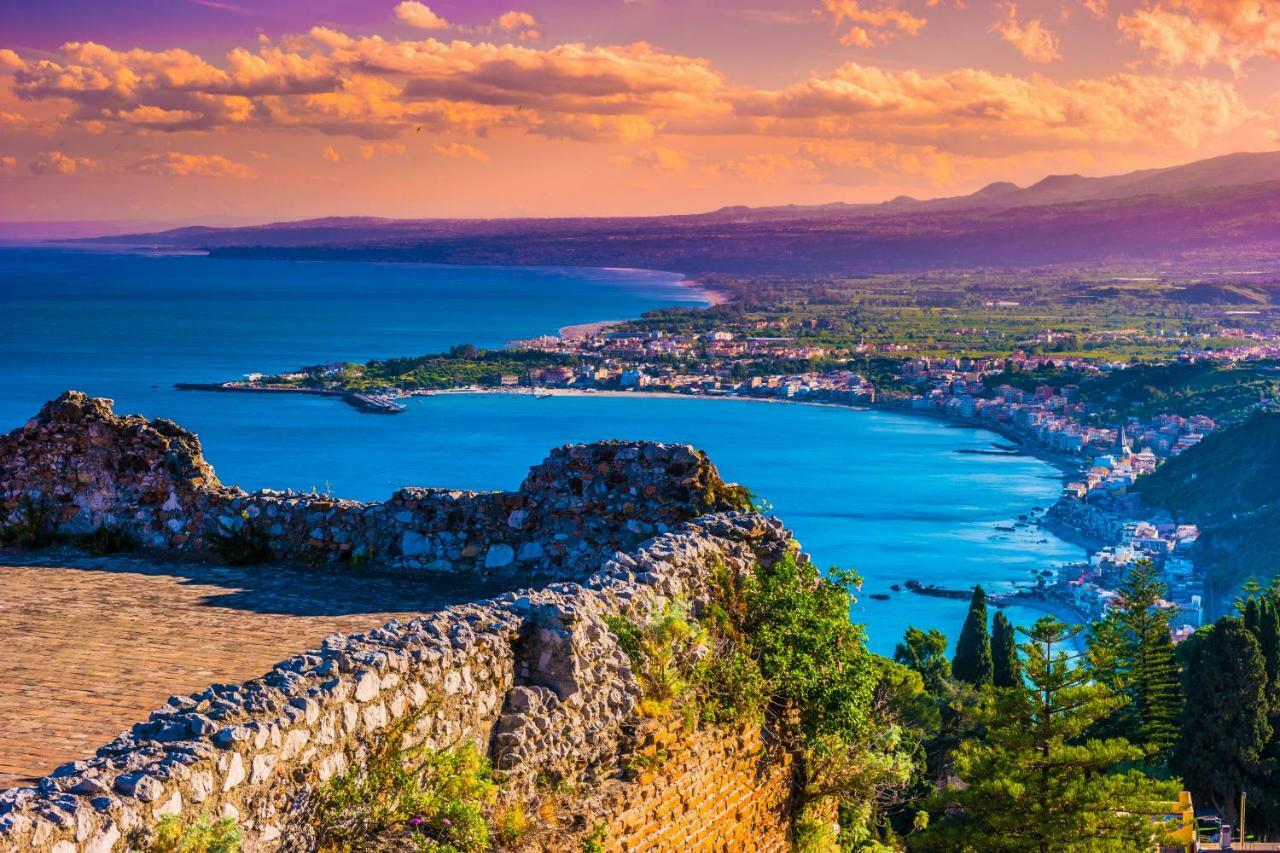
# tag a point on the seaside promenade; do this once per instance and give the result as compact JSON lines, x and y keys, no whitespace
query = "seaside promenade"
{"x":93,"y":645}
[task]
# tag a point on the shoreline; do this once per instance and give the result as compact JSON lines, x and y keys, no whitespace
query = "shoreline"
{"x":578,"y":331}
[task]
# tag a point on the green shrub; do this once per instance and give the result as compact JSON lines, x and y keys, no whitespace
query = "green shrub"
{"x":33,"y":527}
{"x":435,"y":800}
{"x":245,"y":546}
{"x":813,"y":835}
{"x":813,"y":657}
{"x":628,"y":635}
{"x":107,"y":539}
{"x":171,"y":835}
{"x":663,"y":656}
{"x":594,"y":840}
{"x":730,"y":687}
{"x":512,"y":825}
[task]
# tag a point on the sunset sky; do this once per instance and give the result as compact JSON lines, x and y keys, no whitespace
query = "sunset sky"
{"x":267,"y":109}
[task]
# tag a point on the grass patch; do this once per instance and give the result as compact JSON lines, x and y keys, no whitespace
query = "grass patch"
{"x":173,"y":835}
{"x":415,"y":798}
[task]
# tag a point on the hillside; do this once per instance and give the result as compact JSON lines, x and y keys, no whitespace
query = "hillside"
{"x":1224,"y":392}
{"x":1229,"y":473}
{"x":1228,"y":485}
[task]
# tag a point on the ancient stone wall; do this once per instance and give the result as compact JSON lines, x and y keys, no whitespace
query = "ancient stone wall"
{"x":535,"y":678}
{"x":83,"y":466}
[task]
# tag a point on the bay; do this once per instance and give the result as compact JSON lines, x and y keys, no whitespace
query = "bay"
{"x":886,"y":494}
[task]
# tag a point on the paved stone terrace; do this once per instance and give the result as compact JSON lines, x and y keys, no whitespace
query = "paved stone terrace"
{"x":90,"y":646}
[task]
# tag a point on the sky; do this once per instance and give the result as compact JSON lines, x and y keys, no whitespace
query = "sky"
{"x":260,"y":110}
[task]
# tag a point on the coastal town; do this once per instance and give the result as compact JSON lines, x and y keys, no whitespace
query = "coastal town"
{"x":1102,"y":456}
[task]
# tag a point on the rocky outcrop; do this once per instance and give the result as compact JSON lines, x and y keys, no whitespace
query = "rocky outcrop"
{"x":85,"y":467}
{"x":533,"y":677}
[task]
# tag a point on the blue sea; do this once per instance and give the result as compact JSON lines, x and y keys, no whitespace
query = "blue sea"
{"x":888,"y":495}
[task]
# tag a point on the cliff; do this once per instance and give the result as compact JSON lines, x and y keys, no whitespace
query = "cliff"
{"x":534,"y":678}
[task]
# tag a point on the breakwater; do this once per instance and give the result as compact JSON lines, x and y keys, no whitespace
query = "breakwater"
{"x":370,"y":404}
{"x":534,"y":678}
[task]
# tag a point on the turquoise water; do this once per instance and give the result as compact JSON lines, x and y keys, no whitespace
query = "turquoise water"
{"x":886,"y":494}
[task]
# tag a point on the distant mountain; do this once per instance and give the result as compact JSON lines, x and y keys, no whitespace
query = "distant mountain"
{"x":1229,"y":204}
{"x":1227,"y":171}
{"x":91,"y":228}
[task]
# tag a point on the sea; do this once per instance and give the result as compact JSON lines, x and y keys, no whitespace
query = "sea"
{"x":892,"y":496}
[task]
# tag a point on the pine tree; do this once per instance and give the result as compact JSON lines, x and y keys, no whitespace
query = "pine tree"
{"x":1004,"y":652}
{"x":1036,"y":781}
{"x":1251,"y":589}
{"x":1153,"y":676}
{"x":972,"y":663}
{"x":1107,"y":659}
{"x":1225,"y":729}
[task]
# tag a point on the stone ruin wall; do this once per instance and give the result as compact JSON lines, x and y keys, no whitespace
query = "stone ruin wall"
{"x":535,"y":677}
{"x":88,"y":467}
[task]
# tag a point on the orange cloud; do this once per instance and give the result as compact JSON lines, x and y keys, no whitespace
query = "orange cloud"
{"x":58,"y":163}
{"x":178,"y":164}
{"x":1032,"y":39}
{"x":8,"y":162}
{"x":331,"y":154}
{"x":874,"y":26}
{"x":377,"y":89}
{"x":662,"y":158}
{"x":979,"y":112}
{"x":461,"y":151}
{"x":1204,"y":32}
{"x":520,"y":22}
{"x":419,"y":15}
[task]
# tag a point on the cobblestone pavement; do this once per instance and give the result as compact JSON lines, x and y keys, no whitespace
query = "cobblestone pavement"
{"x":88,"y":646}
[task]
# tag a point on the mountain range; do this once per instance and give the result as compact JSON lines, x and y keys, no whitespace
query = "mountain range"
{"x":1227,"y":205}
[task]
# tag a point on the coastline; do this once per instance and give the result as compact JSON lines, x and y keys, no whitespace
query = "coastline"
{"x":578,"y":331}
{"x":714,"y":296}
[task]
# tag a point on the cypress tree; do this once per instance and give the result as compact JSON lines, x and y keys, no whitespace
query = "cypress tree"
{"x":1251,"y":620}
{"x":1225,"y":730}
{"x":972,"y":663}
{"x":1268,"y":781}
{"x":1269,"y":639}
{"x":1035,"y":781}
{"x":1004,"y":652}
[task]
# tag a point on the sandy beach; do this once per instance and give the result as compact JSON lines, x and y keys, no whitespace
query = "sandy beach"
{"x":586,"y":330}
